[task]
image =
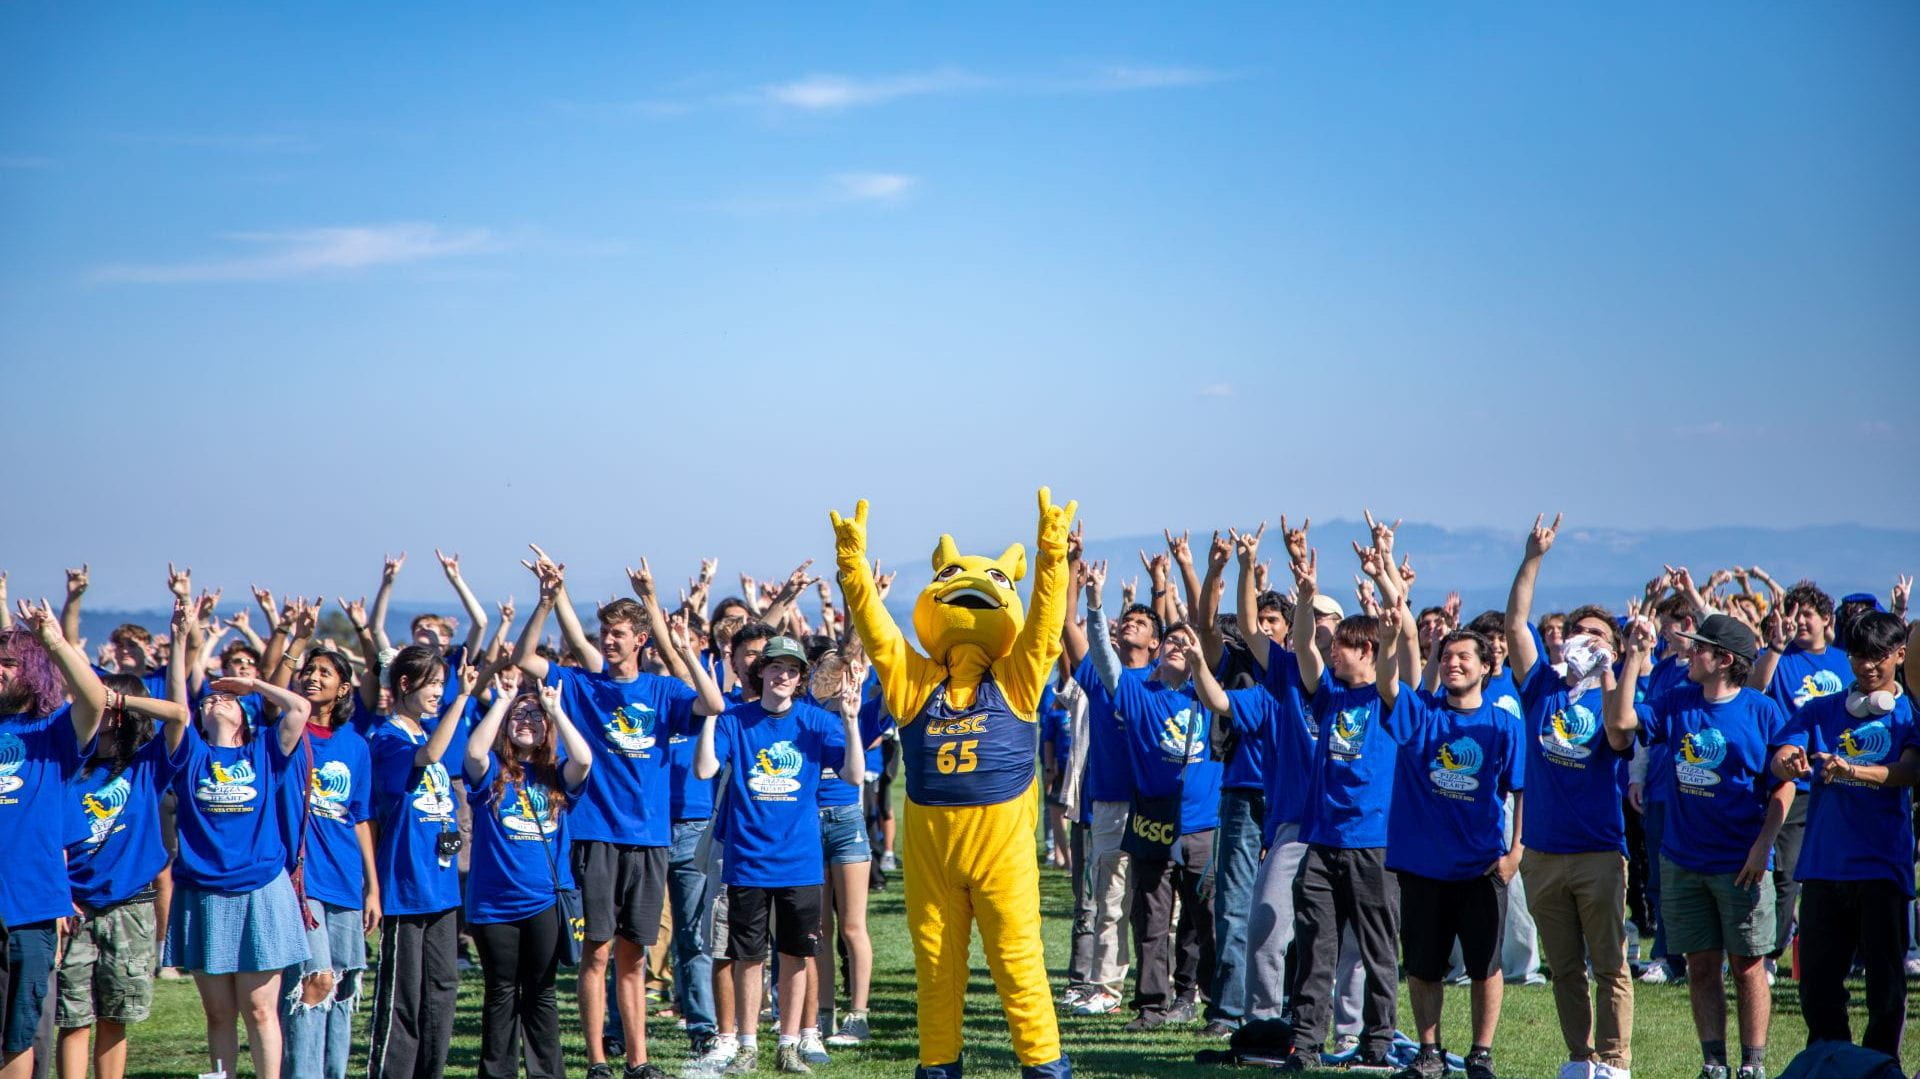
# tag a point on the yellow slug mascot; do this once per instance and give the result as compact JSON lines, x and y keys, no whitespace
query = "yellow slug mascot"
{"x":969,"y":741}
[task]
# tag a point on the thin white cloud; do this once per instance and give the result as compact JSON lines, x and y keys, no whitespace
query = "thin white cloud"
{"x":874,"y":186}
{"x":313,"y":252}
{"x":825,"y":92}
{"x":1215,"y":389}
{"x":1154,"y":78}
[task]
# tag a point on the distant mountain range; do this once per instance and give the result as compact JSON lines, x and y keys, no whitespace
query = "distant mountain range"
{"x":1587,"y":565}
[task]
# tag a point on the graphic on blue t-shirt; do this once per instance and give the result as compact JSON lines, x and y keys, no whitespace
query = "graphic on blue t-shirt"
{"x":331,"y":787}
{"x":527,"y":813}
{"x":1349,"y":732}
{"x":630,"y":727}
{"x":1816,"y":684}
{"x":1182,"y":738}
{"x":1509,"y":704}
{"x":774,"y":769}
{"x":227,"y":785}
{"x":1700,"y":755}
{"x":13,"y":757}
{"x":1569,"y":732}
{"x":1868,"y":743}
{"x":434,"y":795}
{"x":103,"y":809}
{"x":1457,"y":764}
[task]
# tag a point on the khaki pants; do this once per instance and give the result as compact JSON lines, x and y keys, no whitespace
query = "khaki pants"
{"x":1112,"y":879}
{"x":1579,"y":904}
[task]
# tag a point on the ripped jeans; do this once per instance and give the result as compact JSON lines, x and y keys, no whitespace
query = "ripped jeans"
{"x":318,"y":1037}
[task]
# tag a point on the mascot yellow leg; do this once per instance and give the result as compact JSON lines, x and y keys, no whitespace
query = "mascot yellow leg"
{"x":968,"y":863}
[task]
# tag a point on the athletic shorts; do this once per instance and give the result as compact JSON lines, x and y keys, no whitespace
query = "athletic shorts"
{"x":843,"y":835}
{"x":793,"y":912}
{"x":30,"y":950}
{"x":1435,"y":913}
{"x":1707,"y":912}
{"x":623,"y":890}
{"x":107,"y":972}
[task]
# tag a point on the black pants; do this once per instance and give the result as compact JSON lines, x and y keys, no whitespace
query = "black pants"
{"x":1786,"y":890}
{"x":1183,"y":954}
{"x":520,"y":960}
{"x":1336,"y":889}
{"x":1838,"y":920}
{"x":413,"y":996}
{"x":1080,"y":961}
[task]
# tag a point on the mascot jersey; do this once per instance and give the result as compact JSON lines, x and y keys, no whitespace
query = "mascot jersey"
{"x":969,"y":754}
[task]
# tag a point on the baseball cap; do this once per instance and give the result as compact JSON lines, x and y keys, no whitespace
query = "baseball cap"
{"x":1325,"y":604}
{"x":784,"y":648}
{"x":1728,"y":634}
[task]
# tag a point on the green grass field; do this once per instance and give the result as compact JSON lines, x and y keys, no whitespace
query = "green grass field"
{"x":173,"y":1044}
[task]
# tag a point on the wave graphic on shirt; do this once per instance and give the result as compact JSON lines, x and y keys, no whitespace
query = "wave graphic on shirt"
{"x":13,"y":757}
{"x":434,"y":795}
{"x":1457,"y":764}
{"x":774,"y":769}
{"x":1569,"y":733}
{"x":1348,"y":735}
{"x":630,"y":727}
{"x":1698,"y":761}
{"x":227,"y":785}
{"x":528,"y":813}
{"x":1816,"y":684}
{"x":329,"y":789}
{"x":1510,"y":705}
{"x":1869,"y":743}
{"x":1179,"y":739}
{"x":103,"y":807}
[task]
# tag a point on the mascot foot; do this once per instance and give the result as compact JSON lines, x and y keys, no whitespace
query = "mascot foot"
{"x":938,"y":1071}
{"x":1053,"y":1069}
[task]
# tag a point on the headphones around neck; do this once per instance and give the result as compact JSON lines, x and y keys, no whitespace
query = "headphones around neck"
{"x":1868,"y":705}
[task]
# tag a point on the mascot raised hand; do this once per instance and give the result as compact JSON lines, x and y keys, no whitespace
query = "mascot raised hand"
{"x":969,"y":747}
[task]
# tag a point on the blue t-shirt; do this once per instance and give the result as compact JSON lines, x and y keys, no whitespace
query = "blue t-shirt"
{"x":1246,"y":768}
{"x":1170,"y":747}
{"x":121,"y":851}
{"x":1351,"y":784}
{"x":412,"y":806}
{"x":1856,"y":831}
{"x":1286,"y":743}
{"x":520,"y":845}
{"x":1802,"y":675}
{"x":1500,"y":690}
{"x":339,"y":793}
{"x":1667,"y":675}
{"x":1109,"y":761}
{"x":1453,"y":773}
{"x":1721,"y":774}
{"x":692,"y":797}
{"x":37,"y":758}
{"x":1574,"y":774}
{"x":227,"y":809}
{"x":835,"y":791}
{"x":1289,"y":770}
{"x":630,"y":800}
{"x":770,"y":813}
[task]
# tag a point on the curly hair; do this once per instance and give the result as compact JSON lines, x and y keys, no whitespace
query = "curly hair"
{"x":39,"y":689}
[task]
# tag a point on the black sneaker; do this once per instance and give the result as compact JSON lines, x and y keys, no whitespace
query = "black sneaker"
{"x":1371,"y":1060}
{"x":1145,"y":1021}
{"x":648,"y":1070}
{"x":600,"y":1071}
{"x":1480,"y":1065}
{"x":1301,"y":1060}
{"x":1219,"y":1028}
{"x":1183,"y":1011}
{"x":1427,"y":1065}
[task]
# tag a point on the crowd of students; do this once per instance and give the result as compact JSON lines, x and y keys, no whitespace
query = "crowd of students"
{"x":1269,"y":817}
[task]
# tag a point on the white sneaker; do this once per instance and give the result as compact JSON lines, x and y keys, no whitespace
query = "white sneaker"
{"x":811,"y":1049}
{"x":1603,"y":1070}
{"x":1098,"y":1002}
{"x":1913,"y":966}
{"x":888,"y":862}
{"x":1577,"y":1069}
{"x":1655,"y":974}
{"x":1345,"y":1043}
{"x":710,"y":1063}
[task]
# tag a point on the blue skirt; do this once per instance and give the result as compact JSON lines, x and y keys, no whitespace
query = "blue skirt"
{"x":228,"y":933}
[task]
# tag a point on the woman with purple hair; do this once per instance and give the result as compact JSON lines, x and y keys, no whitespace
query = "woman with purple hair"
{"x":41,"y":742}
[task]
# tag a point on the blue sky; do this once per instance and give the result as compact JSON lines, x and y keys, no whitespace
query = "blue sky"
{"x":630,"y":279}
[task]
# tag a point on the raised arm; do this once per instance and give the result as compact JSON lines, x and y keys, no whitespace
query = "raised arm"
{"x":293,"y":707}
{"x":553,"y":575}
{"x":526,"y":655}
{"x":1024,"y":671}
{"x":1206,"y":686}
{"x":476,"y":613}
{"x":389,"y":570}
{"x":1621,"y":717}
{"x":906,"y":676}
{"x":1522,"y":653}
{"x":479,"y":748}
{"x":1778,"y":625}
{"x":1306,"y":646}
{"x":443,"y":732}
{"x":1206,"y":605}
{"x":642,"y":581}
{"x":1246,"y":547}
{"x":70,"y":610}
{"x":363,"y":636}
{"x":707,"y":699}
{"x":497,"y":646}
{"x":853,"y":762}
{"x":176,"y":671}
{"x":1073,"y":636}
{"x":791,"y":589}
{"x":1391,"y":667}
{"x":6,"y":609}
{"x":1106,"y":661}
{"x":83,"y":685}
{"x":579,"y":753}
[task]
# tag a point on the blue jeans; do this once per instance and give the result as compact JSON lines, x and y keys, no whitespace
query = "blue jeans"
{"x":690,"y":891}
{"x":319,"y":1037}
{"x":1236,"y":861}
